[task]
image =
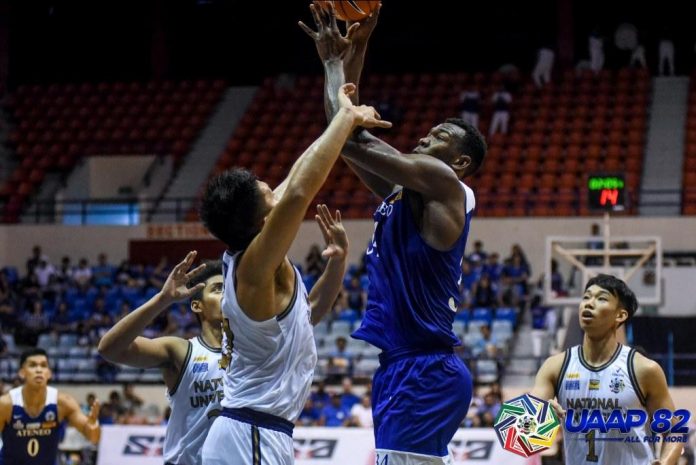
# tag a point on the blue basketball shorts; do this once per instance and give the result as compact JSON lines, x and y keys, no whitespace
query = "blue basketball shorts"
{"x":419,"y":399}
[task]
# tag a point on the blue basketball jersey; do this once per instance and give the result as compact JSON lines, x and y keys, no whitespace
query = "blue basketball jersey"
{"x":31,"y":440}
{"x":414,"y":289}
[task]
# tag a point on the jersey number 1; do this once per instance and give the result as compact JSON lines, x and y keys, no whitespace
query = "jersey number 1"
{"x":591,"y":456}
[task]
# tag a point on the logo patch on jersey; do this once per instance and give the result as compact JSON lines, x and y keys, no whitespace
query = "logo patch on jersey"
{"x":573,"y":376}
{"x":34,"y":425}
{"x":18,"y":424}
{"x":50,"y":416}
{"x":200,"y":367}
{"x":594,"y":385}
{"x":617,"y":385}
{"x":49,"y":424}
{"x":572,"y":385}
{"x":452,"y":304}
{"x":201,"y":358}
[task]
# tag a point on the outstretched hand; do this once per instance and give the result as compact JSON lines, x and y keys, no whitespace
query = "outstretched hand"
{"x":175,"y":289}
{"x":366,"y":116}
{"x":334,"y":234}
{"x":330,"y":43}
{"x":367,"y":25}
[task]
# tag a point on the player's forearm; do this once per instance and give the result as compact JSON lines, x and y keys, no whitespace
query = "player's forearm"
{"x":92,"y":431}
{"x":671,"y":451}
{"x":326,"y":289}
{"x":333,"y":80}
{"x":352,"y":69}
{"x":117,"y":340}
{"x":312,"y":171}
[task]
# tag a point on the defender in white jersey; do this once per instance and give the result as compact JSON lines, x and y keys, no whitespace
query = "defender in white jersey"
{"x":267,"y":312}
{"x":190,"y":368}
{"x":605,"y":375}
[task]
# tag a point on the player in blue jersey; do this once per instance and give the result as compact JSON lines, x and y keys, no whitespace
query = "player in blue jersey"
{"x":422,"y":390}
{"x":31,"y":415}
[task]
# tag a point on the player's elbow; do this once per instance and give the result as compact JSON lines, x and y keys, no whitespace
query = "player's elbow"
{"x":108,"y":350}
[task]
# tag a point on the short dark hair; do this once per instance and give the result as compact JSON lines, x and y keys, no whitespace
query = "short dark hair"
{"x":619,"y":289}
{"x":229,"y":208}
{"x":473,"y":143}
{"x":212,"y":268}
{"x":31,"y":353}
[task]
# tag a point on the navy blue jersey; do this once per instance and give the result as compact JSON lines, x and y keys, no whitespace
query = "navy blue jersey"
{"x":414,"y":289}
{"x":31,"y":440}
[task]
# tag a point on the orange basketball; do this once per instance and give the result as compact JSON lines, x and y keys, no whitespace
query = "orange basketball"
{"x":351,"y":10}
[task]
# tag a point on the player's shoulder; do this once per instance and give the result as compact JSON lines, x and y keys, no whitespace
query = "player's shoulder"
{"x":553,"y":365}
{"x":5,"y":400}
{"x":646,"y":368}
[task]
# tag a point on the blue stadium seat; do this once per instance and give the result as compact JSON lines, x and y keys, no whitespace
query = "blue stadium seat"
{"x":463,"y":315}
{"x":508,"y":314}
{"x":482,"y":314}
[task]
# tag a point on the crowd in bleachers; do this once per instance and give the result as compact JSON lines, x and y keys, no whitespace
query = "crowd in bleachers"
{"x":66,"y":308}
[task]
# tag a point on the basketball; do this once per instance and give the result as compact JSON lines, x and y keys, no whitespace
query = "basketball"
{"x":351,"y":10}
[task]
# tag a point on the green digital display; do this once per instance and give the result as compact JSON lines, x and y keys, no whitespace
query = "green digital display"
{"x":606,"y":191}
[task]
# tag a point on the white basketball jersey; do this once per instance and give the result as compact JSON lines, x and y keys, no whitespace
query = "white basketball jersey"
{"x":195,"y":402}
{"x":608,"y":387}
{"x":272,"y":362}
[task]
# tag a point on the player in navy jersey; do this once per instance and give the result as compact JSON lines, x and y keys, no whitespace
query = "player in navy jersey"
{"x":31,"y":415}
{"x":421,"y":391}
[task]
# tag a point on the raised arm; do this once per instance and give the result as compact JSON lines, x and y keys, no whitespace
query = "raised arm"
{"x":123,"y":343}
{"x":88,"y":426}
{"x":266,"y":252}
{"x":326,"y":289}
{"x":332,"y":47}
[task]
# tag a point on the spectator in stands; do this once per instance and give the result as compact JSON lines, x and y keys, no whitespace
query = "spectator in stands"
{"x":44,"y":270}
{"x":596,"y":48}
{"x":82,"y":275}
{"x":348,"y":397}
{"x":310,"y":414}
{"x":543,"y":67}
{"x":469,"y":104}
{"x":637,"y":59}
{"x":334,"y":414}
{"x":478,"y":254}
{"x":361,"y":413}
{"x":496,"y":390}
{"x":64,"y":273}
{"x":516,"y":250}
{"x":130,"y":398}
{"x":3,"y":352}
{"x":485,"y":294}
{"x":486,"y":345}
{"x":180,"y":321}
{"x":34,"y":260}
{"x":159,"y":275}
{"x":320,"y":397}
{"x":8,"y":313}
{"x":665,"y":64}
{"x":501,"y":111}
{"x":30,"y":288}
{"x":89,"y":400}
{"x":340,"y":360}
{"x":314,"y":262}
{"x":102,"y":272}
{"x":355,"y":294}
{"x":61,"y":321}
{"x":493,"y":268}
{"x":469,"y":276}
{"x":99,"y":321}
{"x":514,"y":279}
{"x":106,"y":415}
{"x":35,"y":323}
{"x":595,"y":244}
{"x":489,"y":410}
{"x":557,"y":285}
